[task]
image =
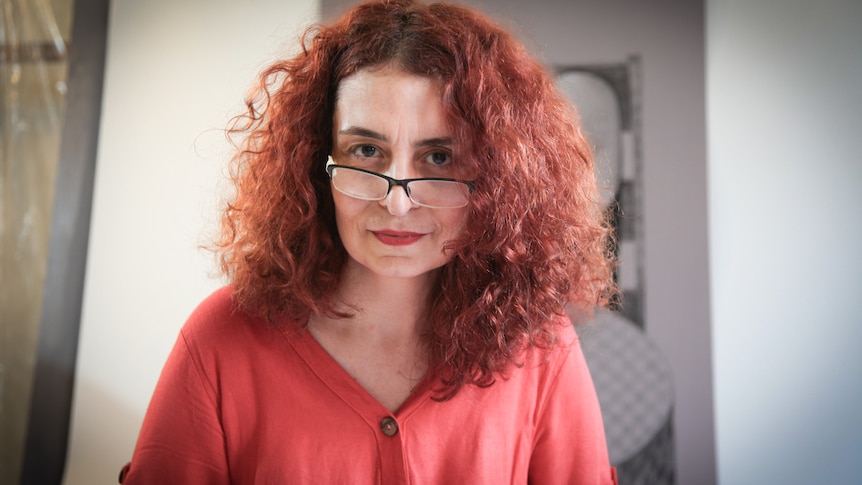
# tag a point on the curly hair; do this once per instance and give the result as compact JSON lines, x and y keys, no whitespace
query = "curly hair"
{"x":535,"y":240}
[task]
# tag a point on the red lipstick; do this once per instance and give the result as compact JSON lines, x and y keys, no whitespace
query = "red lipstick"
{"x":397,"y":238}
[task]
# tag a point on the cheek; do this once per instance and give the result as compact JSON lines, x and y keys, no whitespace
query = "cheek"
{"x":455,"y":222}
{"x":345,"y":207}
{"x":346,"y":212}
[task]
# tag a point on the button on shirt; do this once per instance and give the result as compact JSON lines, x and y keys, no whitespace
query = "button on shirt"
{"x":389,"y":426}
{"x":241,"y":400}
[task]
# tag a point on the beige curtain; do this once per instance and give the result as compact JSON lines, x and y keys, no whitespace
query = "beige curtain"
{"x":33,"y":39}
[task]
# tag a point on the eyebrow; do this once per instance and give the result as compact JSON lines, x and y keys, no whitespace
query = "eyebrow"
{"x":366,"y":133}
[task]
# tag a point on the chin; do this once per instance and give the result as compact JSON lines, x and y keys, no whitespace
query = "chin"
{"x":399,"y":269}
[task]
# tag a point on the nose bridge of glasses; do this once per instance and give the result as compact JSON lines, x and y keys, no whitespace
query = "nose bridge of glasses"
{"x":403,"y":183}
{"x":395,"y":202}
{"x":393,"y":186}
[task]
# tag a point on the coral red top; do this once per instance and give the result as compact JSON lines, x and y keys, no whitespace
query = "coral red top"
{"x":241,"y":401}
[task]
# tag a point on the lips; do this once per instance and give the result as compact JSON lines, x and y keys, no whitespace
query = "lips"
{"x":397,"y":238}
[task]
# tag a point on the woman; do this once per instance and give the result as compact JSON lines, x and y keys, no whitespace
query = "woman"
{"x":415,"y":207}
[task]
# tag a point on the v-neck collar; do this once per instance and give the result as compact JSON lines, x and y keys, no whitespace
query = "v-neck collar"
{"x":342,"y":384}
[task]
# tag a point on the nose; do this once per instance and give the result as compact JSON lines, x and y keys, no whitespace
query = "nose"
{"x":397,"y":202}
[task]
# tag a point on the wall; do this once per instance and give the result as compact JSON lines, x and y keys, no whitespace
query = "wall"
{"x":785,"y":175}
{"x":176,"y":71}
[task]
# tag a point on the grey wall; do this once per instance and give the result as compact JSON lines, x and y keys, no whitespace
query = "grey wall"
{"x":785,"y":171}
{"x":669,"y":37}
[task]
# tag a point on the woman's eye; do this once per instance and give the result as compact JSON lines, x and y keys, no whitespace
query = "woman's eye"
{"x":439,"y":158}
{"x":365,"y":151}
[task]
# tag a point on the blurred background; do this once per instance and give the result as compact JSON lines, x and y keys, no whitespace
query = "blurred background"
{"x":742,"y":155}
{"x":33,"y":65}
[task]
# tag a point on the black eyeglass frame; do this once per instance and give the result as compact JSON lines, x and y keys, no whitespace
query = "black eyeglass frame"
{"x":331,"y":165}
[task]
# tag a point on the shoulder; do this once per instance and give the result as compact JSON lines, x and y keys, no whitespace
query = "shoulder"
{"x":218,"y":306}
{"x":566,"y":343}
{"x":218,"y":321}
{"x":560,"y":369}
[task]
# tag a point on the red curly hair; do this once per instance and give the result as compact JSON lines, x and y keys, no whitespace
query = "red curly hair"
{"x":535,"y":240}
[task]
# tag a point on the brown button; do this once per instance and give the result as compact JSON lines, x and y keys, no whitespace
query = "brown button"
{"x":389,"y":426}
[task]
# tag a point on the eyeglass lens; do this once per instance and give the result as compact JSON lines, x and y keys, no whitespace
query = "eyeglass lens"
{"x":429,"y":193}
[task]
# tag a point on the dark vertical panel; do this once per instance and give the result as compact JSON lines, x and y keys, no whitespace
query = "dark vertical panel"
{"x":48,"y":428}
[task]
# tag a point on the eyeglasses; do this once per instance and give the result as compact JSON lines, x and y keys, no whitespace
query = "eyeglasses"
{"x":433,"y":192}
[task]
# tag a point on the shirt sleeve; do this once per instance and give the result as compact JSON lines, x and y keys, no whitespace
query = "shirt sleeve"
{"x":570,"y":446}
{"x":181,"y":440}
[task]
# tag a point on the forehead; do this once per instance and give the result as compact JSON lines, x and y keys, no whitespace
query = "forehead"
{"x":388,"y":97}
{"x":388,"y":78}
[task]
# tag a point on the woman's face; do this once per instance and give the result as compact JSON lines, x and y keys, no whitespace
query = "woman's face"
{"x":393,"y":123}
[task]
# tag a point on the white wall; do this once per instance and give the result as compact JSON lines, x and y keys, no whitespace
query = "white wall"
{"x":176,"y":71}
{"x":785,"y":173}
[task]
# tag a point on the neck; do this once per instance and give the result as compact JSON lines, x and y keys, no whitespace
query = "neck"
{"x":389,"y":307}
{"x":381,"y":346}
